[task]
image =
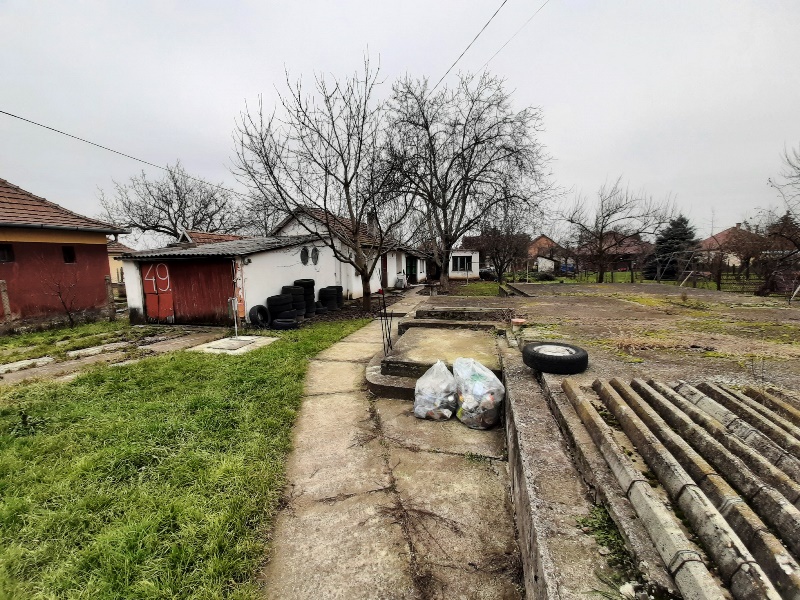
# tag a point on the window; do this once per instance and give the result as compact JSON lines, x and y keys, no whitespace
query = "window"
{"x":6,"y":253}
{"x":304,"y":256}
{"x":69,"y":253}
{"x":315,"y":256}
{"x":462,"y":263}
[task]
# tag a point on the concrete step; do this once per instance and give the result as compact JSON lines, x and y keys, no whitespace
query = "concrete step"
{"x":407,"y":324}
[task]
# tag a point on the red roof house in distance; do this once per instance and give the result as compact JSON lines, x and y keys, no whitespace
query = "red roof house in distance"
{"x":190,"y":236}
{"x":53,"y":262}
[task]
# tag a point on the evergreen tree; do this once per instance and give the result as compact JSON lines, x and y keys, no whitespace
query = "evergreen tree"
{"x":678,"y":236}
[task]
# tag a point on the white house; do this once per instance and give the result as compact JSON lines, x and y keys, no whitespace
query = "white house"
{"x":464,"y":264}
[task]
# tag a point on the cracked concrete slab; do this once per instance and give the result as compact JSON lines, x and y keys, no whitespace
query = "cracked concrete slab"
{"x":459,"y":525}
{"x":327,"y":377}
{"x":353,"y":549}
{"x":235,"y":345}
{"x":348,"y":462}
{"x":400,"y":425}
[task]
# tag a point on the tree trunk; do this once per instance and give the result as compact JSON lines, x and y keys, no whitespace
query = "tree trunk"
{"x":444,"y":277}
{"x":630,"y":267}
{"x":366,"y":299}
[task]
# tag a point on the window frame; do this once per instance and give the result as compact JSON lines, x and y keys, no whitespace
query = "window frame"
{"x":69,"y":252}
{"x":7,"y":250}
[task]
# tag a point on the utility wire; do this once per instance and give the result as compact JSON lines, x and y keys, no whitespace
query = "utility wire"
{"x":469,"y":46}
{"x":515,"y":35}
{"x":75,"y":137}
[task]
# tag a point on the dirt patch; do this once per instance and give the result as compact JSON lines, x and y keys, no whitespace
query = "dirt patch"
{"x":669,"y":332}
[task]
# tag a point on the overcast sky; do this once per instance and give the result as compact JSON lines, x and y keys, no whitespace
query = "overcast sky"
{"x":692,"y":98}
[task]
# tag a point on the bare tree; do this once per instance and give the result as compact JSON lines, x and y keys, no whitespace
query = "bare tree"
{"x":169,"y":205}
{"x":324,"y":159}
{"x":604,"y":230}
{"x":61,"y":282}
{"x":503,"y":240}
{"x":463,"y":152}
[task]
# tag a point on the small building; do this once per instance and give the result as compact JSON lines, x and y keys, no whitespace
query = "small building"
{"x":53,"y":262}
{"x":735,"y":245}
{"x":192,"y":284}
{"x":464,"y":264}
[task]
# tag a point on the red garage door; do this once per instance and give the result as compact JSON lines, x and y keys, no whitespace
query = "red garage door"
{"x":190,"y":292}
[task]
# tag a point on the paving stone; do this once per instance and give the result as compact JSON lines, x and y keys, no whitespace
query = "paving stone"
{"x":328,"y":377}
{"x":25,"y":364}
{"x":399,"y":423}
{"x":353,"y":550}
{"x":94,"y":350}
{"x":60,"y":368}
{"x":186,"y":341}
{"x":235,"y":345}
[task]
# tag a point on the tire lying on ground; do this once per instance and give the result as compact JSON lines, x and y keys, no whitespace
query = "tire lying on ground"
{"x":277,"y":309}
{"x":284,"y":324}
{"x":288,"y":315}
{"x":259,"y":316}
{"x":554,"y":357}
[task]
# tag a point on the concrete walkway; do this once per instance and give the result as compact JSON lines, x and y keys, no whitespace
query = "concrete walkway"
{"x":383,"y":505}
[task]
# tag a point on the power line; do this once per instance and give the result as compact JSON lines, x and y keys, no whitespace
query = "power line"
{"x":469,"y":46}
{"x":80,"y":139}
{"x":515,"y":35}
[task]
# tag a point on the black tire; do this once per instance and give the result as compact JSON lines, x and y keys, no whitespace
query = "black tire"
{"x":288,"y":315}
{"x":259,"y":316}
{"x":279,"y":308}
{"x":332,"y":305}
{"x":304,"y":283}
{"x":292,"y":289}
{"x":554,"y":357}
{"x":320,"y":310}
{"x":284,"y":324}
{"x":280,"y":299}
{"x":299,"y":306}
{"x":327,"y":293}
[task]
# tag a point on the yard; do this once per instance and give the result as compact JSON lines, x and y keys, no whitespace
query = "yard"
{"x":157,"y":479}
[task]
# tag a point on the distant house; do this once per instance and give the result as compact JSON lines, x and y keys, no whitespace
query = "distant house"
{"x":115,"y":250}
{"x":547,"y":255}
{"x":53,"y":262}
{"x":190,"y":236}
{"x":733,"y":244}
{"x":464,"y":263}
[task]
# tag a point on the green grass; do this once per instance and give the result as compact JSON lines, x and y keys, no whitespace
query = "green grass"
{"x":153,"y":480}
{"x":474,"y":288}
{"x":58,"y":341}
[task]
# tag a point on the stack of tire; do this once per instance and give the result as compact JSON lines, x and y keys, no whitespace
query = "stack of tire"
{"x":282,"y":314}
{"x":331,"y":297}
{"x":308,"y":295}
{"x":298,"y":294}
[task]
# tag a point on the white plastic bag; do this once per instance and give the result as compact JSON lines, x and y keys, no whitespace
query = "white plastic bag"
{"x":435,"y":394}
{"x":480,"y":394}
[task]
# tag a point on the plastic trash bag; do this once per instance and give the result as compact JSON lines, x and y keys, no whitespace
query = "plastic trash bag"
{"x":435,"y":394}
{"x":480,"y":394}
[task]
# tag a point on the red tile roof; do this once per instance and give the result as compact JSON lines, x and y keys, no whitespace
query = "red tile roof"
{"x":117,"y":248}
{"x":730,"y":237}
{"x":204,"y":237}
{"x":19,"y":208}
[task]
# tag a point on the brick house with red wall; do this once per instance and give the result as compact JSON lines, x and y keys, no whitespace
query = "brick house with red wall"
{"x":53,"y":262}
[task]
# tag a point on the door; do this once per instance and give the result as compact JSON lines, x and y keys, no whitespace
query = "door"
{"x":411,"y":269}
{"x":384,"y":274}
{"x":158,"y":300}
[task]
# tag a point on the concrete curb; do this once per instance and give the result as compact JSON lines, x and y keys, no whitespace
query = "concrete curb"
{"x":742,"y":430}
{"x":682,"y":558}
{"x":779,"y":565}
{"x":747,"y":413}
{"x":604,"y":489}
{"x":768,"y":502}
{"x":767,"y":413}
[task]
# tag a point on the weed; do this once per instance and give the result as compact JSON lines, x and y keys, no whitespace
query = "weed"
{"x":605,"y":532}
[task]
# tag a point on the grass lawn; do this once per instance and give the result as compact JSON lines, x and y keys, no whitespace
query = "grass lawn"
{"x":58,"y":341}
{"x":153,"y":480}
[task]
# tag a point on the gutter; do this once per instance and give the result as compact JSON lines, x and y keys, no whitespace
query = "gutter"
{"x":65,"y":228}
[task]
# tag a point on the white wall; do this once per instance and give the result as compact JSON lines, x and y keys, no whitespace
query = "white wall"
{"x":267,"y":272}
{"x":545,"y":265}
{"x":133,"y":286}
{"x":473,"y":273}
